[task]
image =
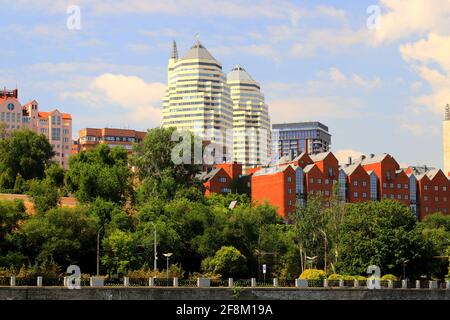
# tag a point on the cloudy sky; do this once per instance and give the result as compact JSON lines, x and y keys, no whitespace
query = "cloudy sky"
{"x":379,"y":84}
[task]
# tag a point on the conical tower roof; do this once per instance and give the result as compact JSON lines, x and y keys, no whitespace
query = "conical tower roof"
{"x":198,"y":51}
{"x":238,"y":73}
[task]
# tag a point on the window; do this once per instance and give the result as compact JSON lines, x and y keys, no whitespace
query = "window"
{"x":436,"y":199}
{"x":405,"y":186}
{"x":330,"y":172}
{"x":222,"y":179}
{"x":425,"y":187}
{"x":225,"y":190}
{"x":327,"y":181}
{"x":392,"y":196}
{"x":444,"y":199}
{"x":425,"y":198}
{"x":444,"y":188}
{"x":391,"y":186}
{"x":384,"y":185}
{"x":399,"y":197}
{"x":399,"y":186}
{"x":327,"y":193}
{"x":56,"y":134}
{"x":426,"y":209}
{"x":290,"y":202}
{"x":364,"y":195}
{"x":289,"y":179}
{"x":384,"y":196}
{"x":388,"y":175}
{"x":436,"y":188}
{"x":364,"y":183}
{"x":355,"y":183}
{"x":355,"y":194}
{"x":406,"y":197}
{"x":319,"y":181}
{"x":311,"y":180}
{"x":319,"y":193}
{"x":290,"y":191}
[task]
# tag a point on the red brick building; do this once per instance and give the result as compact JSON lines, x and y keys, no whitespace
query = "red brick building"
{"x":358,"y":183}
{"x":277,"y":186}
{"x":220,"y":179}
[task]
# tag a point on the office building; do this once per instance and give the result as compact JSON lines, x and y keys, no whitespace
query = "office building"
{"x":291,"y":139}
{"x":197,"y":96}
{"x":88,"y":138}
{"x":251,"y":123}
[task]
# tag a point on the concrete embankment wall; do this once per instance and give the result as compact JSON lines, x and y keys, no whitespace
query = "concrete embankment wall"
{"x":143,"y":293}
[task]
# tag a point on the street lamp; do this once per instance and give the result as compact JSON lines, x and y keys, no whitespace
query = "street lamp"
{"x":325,"y":254}
{"x":98,"y":249}
{"x":167,"y":255}
{"x":404,"y":268}
{"x":311,"y":260}
{"x":154,"y":249}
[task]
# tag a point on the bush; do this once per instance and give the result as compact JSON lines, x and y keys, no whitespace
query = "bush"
{"x":175,"y":271}
{"x":334,"y":276}
{"x":313,"y":274}
{"x":389,"y":277}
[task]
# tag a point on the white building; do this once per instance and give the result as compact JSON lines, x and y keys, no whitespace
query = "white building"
{"x":446,"y":140}
{"x":197,"y":97}
{"x":251,"y":123}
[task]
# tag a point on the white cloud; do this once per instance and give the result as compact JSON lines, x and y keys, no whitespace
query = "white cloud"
{"x":139,"y":100}
{"x":404,"y":18}
{"x":430,"y":59}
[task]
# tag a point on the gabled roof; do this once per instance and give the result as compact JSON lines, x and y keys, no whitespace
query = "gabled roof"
{"x":30,"y":102}
{"x":350,"y":169}
{"x":239,"y":74}
{"x":309,"y":167}
{"x":206,"y":176}
{"x":319,"y":156}
{"x":271,"y":170}
{"x":198,"y":51}
{"x":297,"y":158}
{"x":432,"y":173}
{"x":375,"y":159}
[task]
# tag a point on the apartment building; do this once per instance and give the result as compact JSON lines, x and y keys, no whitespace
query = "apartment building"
{"x":88,"y":138}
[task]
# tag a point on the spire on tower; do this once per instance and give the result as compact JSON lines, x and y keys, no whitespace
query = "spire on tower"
{"x":174,"y":54}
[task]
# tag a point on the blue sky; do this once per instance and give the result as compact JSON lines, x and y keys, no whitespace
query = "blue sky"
{"x":378,"y":89}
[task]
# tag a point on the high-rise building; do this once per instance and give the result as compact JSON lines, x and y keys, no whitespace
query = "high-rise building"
{"x":197,"y":96}
{"x":251,"y":123}
{"x":56,"y":126}
{"x":291,"y":139}
{"x":446,"y":141}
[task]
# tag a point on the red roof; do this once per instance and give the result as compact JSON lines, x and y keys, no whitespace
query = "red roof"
{"x":66,"y":116}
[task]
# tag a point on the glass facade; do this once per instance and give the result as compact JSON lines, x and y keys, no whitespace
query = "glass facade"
{"x":373,"y":186}
{"x":342,"y":186}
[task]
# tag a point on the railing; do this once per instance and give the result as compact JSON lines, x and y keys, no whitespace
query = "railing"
{"x":225,"y":283}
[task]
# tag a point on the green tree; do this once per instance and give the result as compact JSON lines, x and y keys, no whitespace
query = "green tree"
{"x":119,"y":252}
{"x":26,"y":153}
{"x":158,"y":174}
{"x":101,"y":172}
{"x":45,"y":195}
{"x":228,"y":262}
{"x":382,"y":233}
{"x":12,"y":213}
{"x":64,"y":235}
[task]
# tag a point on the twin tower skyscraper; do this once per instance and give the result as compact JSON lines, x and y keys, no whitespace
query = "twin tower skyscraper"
{"x":226,"y":110}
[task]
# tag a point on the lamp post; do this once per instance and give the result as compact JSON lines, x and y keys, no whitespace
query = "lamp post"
{"x":404,"y":268}
{"x":167,"y":255}
{"x":154,"y":249}
{"x":98,"y":249}
{"x":311,"y":260}
{"x":325,"y":254}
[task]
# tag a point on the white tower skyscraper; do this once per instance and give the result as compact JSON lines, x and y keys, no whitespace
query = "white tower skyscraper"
{"x":446,"y":140}
{"x":251,"y":123}
{"x":197,"y":96}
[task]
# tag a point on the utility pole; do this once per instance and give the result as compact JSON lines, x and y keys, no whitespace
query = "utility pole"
{"x":155,"y":258}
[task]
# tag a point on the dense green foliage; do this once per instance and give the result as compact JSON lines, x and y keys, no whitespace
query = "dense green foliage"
{"x":124,"y":199}
{"x":24,"y":155}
